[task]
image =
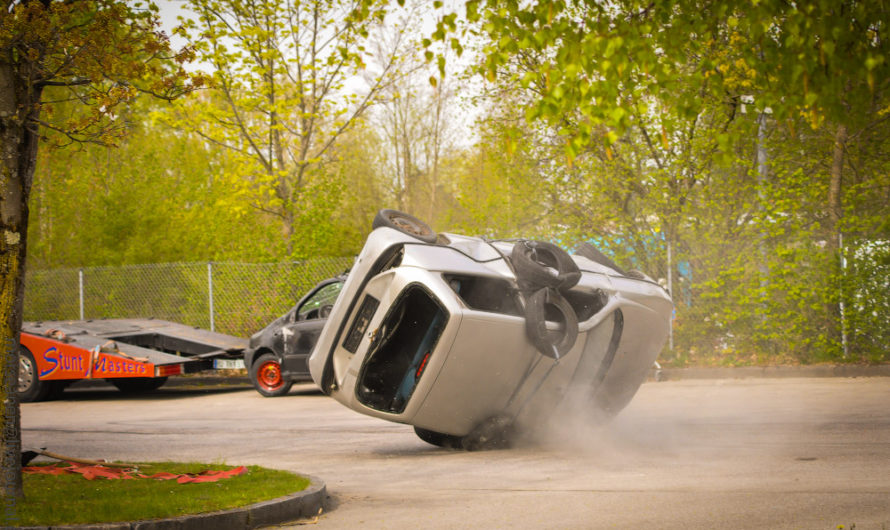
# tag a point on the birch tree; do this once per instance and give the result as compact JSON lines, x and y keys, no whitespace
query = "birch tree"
{"x":290,"y":78}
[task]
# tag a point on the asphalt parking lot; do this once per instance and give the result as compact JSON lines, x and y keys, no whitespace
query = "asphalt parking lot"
{"x":724,"y":453}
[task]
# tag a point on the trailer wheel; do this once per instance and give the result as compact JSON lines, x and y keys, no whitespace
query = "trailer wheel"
{"x":136,"y":385}
{"x":265,"y":374}
{"x":405,"y":223}
{"x":30,"y":387}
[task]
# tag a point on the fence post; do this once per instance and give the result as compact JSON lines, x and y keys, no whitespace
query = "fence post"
{"x":210,"y":292}
{"x":80,"y":290}
{"x":670,"y":289}
{"x":762,"y":168}
{"x":840,"y":244}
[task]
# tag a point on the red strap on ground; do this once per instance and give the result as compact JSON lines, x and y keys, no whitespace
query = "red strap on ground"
{"x":161,"y":476}
{"x":45,"y":470}
{"x":212,"y":475}
{"x":92,"y":472}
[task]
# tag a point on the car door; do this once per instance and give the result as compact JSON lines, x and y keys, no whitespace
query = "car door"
{"x":297,"y":337}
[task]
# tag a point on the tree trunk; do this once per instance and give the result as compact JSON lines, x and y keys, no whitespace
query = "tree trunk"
{"x":18,"y":154}
{"x":833,"y":233}
{"x":835,"y":208}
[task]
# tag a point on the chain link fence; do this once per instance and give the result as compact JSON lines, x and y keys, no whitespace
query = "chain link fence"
{"x":747,"y":308}
{"x":233,"y":298}
{"x":753,"y":300}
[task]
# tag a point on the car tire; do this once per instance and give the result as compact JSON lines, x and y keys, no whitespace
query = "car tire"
{"x":30,"y":387}
{"x":541,"y":305}
{"x":266,"y":376}
{"x":497,"y":432}
{"x":439,"y":439}
{"x":404,"y":223}
{"x":137,"y":385}
{"x":542,"y":264}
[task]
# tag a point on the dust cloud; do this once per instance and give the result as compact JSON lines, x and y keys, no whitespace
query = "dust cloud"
{"x":588,"y":431}
{"x":707,"y":420}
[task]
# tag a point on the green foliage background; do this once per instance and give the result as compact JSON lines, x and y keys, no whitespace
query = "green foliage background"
{"x":718,"y":150}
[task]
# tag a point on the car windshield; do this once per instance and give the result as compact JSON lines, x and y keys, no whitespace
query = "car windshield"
{"x":325,"y":296}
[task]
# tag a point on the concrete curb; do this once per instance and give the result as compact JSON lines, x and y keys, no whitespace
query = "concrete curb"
{"x":303,"y":504}
{"x":772,"y":372}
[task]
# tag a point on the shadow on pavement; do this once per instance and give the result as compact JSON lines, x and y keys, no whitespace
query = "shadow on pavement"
{"x":111,"y":393}
{"x":174,"y":389}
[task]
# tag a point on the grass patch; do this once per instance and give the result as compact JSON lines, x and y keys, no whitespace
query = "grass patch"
{"x":71,"y":499}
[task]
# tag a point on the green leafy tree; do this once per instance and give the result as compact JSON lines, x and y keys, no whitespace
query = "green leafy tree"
{"x":361,"y":192}
{"x":101,"y":53}
{"x":648,"y":73}
{"x":158,"y":196}
{"x":289,"y":80}
{"x":418,"y":123}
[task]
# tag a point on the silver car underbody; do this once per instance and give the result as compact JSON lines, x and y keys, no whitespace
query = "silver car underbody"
{"x":436,"y":335}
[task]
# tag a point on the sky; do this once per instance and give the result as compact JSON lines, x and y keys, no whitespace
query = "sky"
{"x":170,"y":9}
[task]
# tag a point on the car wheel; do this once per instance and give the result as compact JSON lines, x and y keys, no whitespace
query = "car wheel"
{"x":439,"y":439}
{"x":265,"y":374}
{"x":543,"y":264}
{"x":136,"y":385}
{"x":497,"y":432}
{"x":405,"y":223}
{"x":30,"y":387}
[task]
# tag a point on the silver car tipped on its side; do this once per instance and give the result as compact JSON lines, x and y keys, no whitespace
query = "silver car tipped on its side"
{"x":471,"y":340}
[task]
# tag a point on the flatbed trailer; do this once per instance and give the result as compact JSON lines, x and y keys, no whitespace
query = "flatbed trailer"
{"x":132,"y":354}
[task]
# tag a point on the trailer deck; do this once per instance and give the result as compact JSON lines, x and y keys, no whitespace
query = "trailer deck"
{"x":131,"y":353}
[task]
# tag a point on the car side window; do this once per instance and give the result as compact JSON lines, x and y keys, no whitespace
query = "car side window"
{"x":323,"y":298}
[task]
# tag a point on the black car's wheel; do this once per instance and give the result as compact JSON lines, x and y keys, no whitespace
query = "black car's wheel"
{"x":265,"y":374}
{"x":30,"y":387}
{"x":543,"y":264}
{"x":439,"y":439}
{"x":136,"y":385}
{"x":405,"y":223}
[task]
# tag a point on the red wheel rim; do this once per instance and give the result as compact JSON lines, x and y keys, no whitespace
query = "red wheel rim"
{"x":269,"y":375}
